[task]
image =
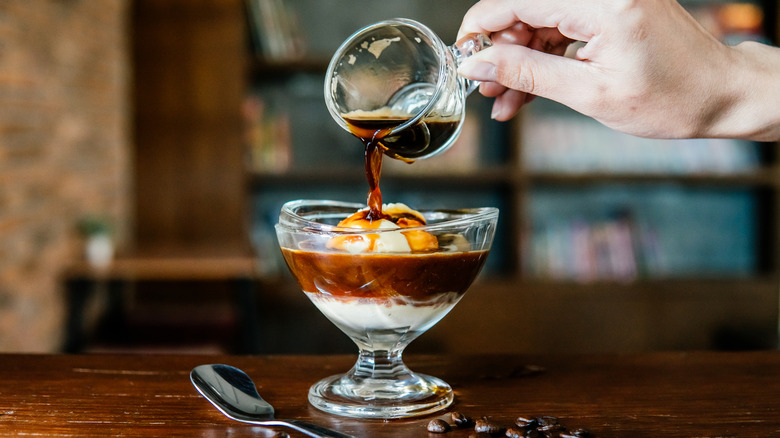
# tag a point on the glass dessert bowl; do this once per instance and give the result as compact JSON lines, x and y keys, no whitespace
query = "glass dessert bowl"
{"x":383,"y":282}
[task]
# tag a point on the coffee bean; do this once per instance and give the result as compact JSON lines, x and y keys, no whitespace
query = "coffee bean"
{"x":461,"y":420}
{"x":526,"y":423}
{"x":547,"y":421}
{"x":537,"y":427}
{"x":487,"y":425}
{"x":552,"y":428}
{"x":515,"y":432}
{"x":553,"y":431}
{"x":577,"y":433}
{"x":438,"y":425}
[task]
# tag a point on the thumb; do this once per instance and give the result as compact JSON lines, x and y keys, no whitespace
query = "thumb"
{"x":530,"y":71}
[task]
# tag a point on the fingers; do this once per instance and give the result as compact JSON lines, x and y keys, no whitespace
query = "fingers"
{"x":526,"y":59}
{"x":491,"y":89}
{"x":549,"y":40}
{"x":508,"y":104}
{"x":576,"y":19}
{"x":518,"y":33}
{"x":488,"y":16}
{"x":527,"y":71}
{"x":517,"y":67}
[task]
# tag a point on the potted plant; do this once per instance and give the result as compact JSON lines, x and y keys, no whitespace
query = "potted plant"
{"x":99,"y":244}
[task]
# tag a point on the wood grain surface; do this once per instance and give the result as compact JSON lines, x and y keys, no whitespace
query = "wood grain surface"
{"x":702,"y":394}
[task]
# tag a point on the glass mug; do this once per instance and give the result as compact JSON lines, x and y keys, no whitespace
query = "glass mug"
{"x":398,"y":80}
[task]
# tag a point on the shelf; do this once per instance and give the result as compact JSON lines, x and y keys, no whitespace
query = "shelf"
{"x":570,"y":318}
{"x":488,"y":176}
{"x":215,"y":193}
{"x":684,"y":305}
{"x":766,"y":177}
{"x":493,"y":175}
{"x":681,"y":286}
{"x":259,"y":67}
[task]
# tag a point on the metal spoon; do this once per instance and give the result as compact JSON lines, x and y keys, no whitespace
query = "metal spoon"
{"x":232,"y":392}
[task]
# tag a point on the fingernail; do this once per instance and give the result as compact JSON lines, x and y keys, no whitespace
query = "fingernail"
{"x":478,"y":70}
{"x":496,"y":110}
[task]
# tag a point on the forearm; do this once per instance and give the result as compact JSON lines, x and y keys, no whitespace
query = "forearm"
{"x":749,"y":107}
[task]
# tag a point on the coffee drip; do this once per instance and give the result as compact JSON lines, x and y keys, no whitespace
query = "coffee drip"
{"x":375,"y":133}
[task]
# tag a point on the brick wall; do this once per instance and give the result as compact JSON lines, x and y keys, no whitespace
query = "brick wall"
{"x":64,"y":151}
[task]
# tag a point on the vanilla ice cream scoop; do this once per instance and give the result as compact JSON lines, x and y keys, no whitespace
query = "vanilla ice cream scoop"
{"x":395,"y":217}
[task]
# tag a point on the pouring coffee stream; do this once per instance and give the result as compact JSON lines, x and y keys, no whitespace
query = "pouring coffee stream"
{"x":373,"y":163}
{"x":376,"y":134}
{"x":394,"y":85}
{"x":422,"y":117}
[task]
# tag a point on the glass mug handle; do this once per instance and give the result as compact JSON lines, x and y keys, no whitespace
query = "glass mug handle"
{"x":421,"y":92}
{"x":465,"y":47}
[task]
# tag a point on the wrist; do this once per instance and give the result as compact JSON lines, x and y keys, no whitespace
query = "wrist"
{"x":746,"y":104}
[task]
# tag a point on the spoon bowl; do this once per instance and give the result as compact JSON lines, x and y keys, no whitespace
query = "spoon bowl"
{"x":234,"y":394}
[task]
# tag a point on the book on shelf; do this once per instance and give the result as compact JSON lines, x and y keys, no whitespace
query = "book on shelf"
{"x":568,"y":143}
{"x":266,"y":135}
{"x":275,"y":30}
{"x":621,"y":233}
{"x":615,"y":249}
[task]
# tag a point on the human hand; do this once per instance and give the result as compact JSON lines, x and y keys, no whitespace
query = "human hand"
{"x":647,"y":67}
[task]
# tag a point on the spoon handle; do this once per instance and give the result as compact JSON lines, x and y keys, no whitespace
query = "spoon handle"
{"x":309,"y":429}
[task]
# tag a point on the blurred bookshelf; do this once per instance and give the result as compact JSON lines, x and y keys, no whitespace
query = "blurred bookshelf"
{"x":608,"y":206}
{"x":614,"y":232}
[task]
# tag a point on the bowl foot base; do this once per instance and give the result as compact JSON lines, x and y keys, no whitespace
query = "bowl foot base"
{"x":415,"y":395}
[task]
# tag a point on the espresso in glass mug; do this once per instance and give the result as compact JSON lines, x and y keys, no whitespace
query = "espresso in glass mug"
{"x":395,"y":84}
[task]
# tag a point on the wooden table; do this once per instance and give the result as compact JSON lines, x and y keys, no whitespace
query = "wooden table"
{"x":634,"y":395}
